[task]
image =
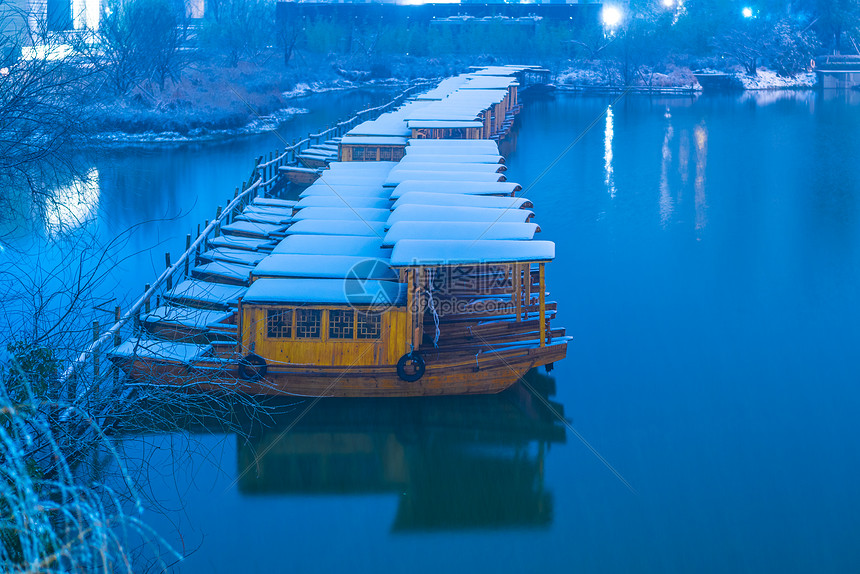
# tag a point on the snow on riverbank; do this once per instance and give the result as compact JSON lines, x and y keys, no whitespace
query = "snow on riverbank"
{"x":304,"y":89}
{"x":769,"y":80}
{"x":598,"y":77}
{"x":257,"y":126}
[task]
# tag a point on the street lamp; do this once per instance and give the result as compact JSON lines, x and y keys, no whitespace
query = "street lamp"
{"x":611,"y":16}
{"x":747,"y":12}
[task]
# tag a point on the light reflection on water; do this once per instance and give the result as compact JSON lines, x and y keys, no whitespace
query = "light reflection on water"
{"x":701,"y":138}
{"x":666,"y":203}
{"x":608,"y":135}
{"x":74,"y":204}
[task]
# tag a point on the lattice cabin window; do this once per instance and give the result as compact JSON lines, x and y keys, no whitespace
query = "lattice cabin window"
{"x":358,"y":154}
{"x":397,"y":154}
{"x":368,"y":326}
{"x":308,"y":322}
{"x":385,"y":154}
{"x":341,"y":324}
{"x":279,"y":323}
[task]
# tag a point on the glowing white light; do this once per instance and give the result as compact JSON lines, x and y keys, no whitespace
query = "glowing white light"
{"x":611,"y":16}
{"x":608,"y":136}
{"x":747,"y":12}
{"x":668,"y":3}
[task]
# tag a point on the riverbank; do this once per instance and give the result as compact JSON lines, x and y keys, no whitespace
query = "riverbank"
{"x":210,"y":102}
{"x":594,"y":77}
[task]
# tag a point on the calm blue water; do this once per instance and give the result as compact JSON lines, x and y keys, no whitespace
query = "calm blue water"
{"x":707,"y":268}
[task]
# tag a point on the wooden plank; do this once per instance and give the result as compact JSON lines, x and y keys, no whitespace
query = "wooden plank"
{"x":542,"y":296}
{"x":528,"y":285}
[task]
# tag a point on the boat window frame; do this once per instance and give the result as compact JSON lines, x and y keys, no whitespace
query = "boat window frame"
{"x":325,"y":323}
{"x":329,"y":324}
{"x":323,"y":316}
{"x":291,"y":311}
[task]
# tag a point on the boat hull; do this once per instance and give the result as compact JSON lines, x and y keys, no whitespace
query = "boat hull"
{"x":464,"y":375}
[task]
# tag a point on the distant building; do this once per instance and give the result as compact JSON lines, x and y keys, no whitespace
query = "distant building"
{"x":577,"y":12}
{"x":67,"y":15}
{"x":838,"y":71}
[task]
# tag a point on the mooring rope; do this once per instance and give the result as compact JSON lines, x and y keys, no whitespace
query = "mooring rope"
{"x":432,"y":306}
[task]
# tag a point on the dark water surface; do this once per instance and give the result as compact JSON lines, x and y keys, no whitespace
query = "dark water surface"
{"x":707,"y":268}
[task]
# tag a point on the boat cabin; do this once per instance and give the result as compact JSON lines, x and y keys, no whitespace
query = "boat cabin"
{"x":322,"y":321}
{"x":353,"y":311}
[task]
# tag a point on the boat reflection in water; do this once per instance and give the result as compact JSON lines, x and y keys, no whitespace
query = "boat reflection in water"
{"x":457,"y":462}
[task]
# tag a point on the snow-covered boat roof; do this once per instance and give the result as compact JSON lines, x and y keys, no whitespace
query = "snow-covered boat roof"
{"x":345,"y":180}
{"x":430,"y":156}
{"x":343,"y":201}
{"x":397,"y":177}
{"x":324,"y":266}
{"x":205,"y":293}
{"x":186,"y":316}
{"x":373,"y":190}
{"x":468,"y":231}
{"x":444,"y":89}
{"x":421,"y":164}
{"x":360,"y":167}
{"x":374,"y":140}
{"x":420,"y":252}
{"x":343,"y":213}
{"x":507,"y":70}
{"x":223,"y":269}
{"x":443,"y":124}
{"x":325,"y":154}
{"x":163,"y":350}
{"x":298,"y":168}
{"x":332,"y":245}
{"x":457,"y":213}
{"x":233,"y":255}
{"x":325,"y":291}
{"x":235,"y":242}
{"x":457,"y":186}
{"x":455,"y":146}
{"x":426,"y":198}
{"x":339,"y":227}
{"x":272,"y":202}
{"x":493,"y":82}
{"x":388,"y":124}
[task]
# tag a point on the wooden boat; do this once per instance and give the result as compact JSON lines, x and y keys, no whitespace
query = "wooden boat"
{"x":388,"y":329}
{"x":385,"y":279}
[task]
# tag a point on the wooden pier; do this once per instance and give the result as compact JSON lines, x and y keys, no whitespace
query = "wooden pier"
{"x":188,"y":315}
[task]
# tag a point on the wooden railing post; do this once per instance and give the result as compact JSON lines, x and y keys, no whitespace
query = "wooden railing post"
{"x":146,"y":305}
{"x":217,"y":231}
{"x":167,"y":264}
{"x":187,"y":248}
{"x":96,"y":353}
